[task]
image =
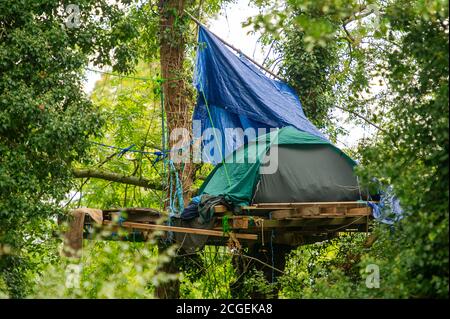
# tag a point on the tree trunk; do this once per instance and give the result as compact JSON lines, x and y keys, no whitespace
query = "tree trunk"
{"x":178,"y":97}
{"x":177,"y":105}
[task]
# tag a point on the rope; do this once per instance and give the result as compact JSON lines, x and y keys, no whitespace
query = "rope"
{"x":262,"y":262}
{"x":163,"y":142}
{"x":359,"y":188}
{"x":345,"y":226}
{"x":240,"y":255}
{"x":176,"y":203}
{"x":122,"y":76}
{"x":123,"y":150}
{"x":160,"y":153}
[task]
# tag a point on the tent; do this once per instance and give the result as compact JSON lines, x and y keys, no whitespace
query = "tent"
{"x":285,"y":166}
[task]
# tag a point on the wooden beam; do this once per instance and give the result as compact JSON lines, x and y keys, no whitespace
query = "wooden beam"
{"x":284,"y":206}
{"x":285,"y":213}
{"x":73,"y":237}
{"x":196,"y":231}
{"x":220,"y":209}
{"x":304,"y":204}
{"x":305,"y":223}
{"x":240,"y":223}
{"x":362,"y":211}
{"x":135,"y":214}
{"x":317,"y":221}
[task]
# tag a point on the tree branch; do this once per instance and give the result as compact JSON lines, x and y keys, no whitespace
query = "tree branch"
{"x":116,"y":177}
{"x":358,"y":15}
{"x":363,"y":118}
{"x":349,"y":36}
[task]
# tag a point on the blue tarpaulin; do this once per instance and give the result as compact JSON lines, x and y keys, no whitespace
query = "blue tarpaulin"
{"x":234,"y":93}
{"x":388,"y":210}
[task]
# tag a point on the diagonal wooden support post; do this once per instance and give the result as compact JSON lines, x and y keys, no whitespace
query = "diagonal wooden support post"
{"x":73,"y":238}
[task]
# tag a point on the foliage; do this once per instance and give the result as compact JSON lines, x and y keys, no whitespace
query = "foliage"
{"x":311,"y":75}
{"x":111,"y":268}
{"x":133,"y":108}
{"x":408,"y":54}
{"x":207,"y":274}
{"x":212,"y":273}
{"x":416,"y":164}
{"x":316,"y":270}
{"x":46,"y":119}
{"x":316,"y":54}
{"x":256,"y":284}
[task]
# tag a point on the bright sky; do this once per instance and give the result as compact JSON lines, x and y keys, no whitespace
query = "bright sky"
{"x":228,"y":26}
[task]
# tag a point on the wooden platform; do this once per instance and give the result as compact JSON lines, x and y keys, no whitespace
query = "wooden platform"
{"x":292,"y":223}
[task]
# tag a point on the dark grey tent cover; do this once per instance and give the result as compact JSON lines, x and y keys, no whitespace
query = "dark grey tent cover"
{"x":308,"y":173}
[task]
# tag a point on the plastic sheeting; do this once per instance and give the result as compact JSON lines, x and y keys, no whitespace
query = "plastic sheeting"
{"x":388,"y":210}
{"x":233,"y":93}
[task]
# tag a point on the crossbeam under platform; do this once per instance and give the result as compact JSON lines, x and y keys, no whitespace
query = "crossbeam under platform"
{"x":196,"y":231}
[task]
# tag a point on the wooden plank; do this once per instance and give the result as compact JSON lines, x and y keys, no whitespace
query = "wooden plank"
{"x":220,"y":209}
{"x":295,"y":213}
{"x":285,"y":213}
{"x":137,"y":217}
{"x":95,"y":214}
{"x":335,"y":210}
{"x":310,"y":204}
{"x":197,"y":231}
{"x":241,"y":223}
{"x":328,"y":208}
{"x":317,"y":221}
{"x":319,"y":212}
{"x":73,"y":238}
{"x":310,"y":211}
{"x":361,"y":211}
{"x":304,"y":204}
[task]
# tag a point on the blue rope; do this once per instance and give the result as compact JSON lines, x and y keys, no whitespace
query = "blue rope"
{"x":176,"y":204}
{"x":130,"y":149}
{"x":176,"y":201}
{"x":120,"y":222}
{"x":123,"y":151}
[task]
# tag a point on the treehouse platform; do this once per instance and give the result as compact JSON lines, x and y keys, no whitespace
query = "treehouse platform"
{"x":290,"y":224}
